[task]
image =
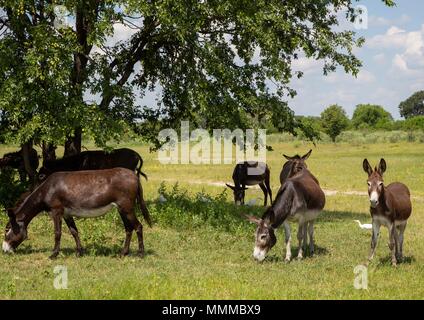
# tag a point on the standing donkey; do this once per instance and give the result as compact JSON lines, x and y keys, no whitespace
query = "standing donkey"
{"x":390,"y":206}
{"x":82,"y":194}
{"x":250,"y":173}
{"x":301,"y":199}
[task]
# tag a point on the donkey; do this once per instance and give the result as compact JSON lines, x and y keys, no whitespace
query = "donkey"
{"x":95,"y":160}
{"x":300,"y":198}
{"x":250,"y":173}
{"x":80,"y":194}
{"x":15,"y":160}
{"x":389,"y":206}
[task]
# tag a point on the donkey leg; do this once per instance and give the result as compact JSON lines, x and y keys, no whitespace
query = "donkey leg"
{"x":269,"y":189}
{"x":402,"y":228}
{"x":300,"y":238}
{"x":305,"y":237}
{"x":128,"y":233}
{"x":287,"y":233}
{"x":374,"y":238}
{"x":74,"y":231}
{"x":265,"y":191}
{"x":57,"y":221}
{"x":139,"y":230}
{"x":311,"y":238}
{"x":393,"y":243}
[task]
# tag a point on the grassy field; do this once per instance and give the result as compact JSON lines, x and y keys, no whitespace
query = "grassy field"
{"x":202,"y":250}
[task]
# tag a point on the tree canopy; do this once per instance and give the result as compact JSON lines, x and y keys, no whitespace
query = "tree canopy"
{"x":370,"y":116}
{"x":413,"y":106}
{"x":334,"y":121}
{"x":215,"y":63}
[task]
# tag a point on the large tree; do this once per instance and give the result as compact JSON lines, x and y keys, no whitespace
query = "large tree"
{"x":413,"y":106}
{"x":212,"y":62}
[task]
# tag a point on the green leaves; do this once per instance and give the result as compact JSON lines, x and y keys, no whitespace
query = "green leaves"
{"x":219,"y":64}
{"x":334,"y":121}
{"x":413,"y":106}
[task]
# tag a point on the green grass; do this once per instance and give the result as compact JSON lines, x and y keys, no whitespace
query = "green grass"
{"x":202,"y":250}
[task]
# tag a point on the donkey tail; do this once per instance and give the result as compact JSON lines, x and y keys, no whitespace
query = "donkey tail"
{"x":139,"y":172}
{"x":142,"y":204}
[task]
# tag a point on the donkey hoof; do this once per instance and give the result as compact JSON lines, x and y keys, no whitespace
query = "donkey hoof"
{"x":299,"y":257}
{"x":79,"y":253}
{"x":140,"y":254}
{"x":124,"y":253}
{"x":287,"y":259}
{"x":54,"y":255}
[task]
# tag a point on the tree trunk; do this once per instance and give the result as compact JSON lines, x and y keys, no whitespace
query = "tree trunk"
{"x":73,"y":144}
{"x":32,"y":173}
{"x":49,"y":151}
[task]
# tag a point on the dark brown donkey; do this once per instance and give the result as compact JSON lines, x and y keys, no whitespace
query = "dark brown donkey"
{"x":301,"y":199}
{"x":390,"y":206}
{"x":15,"y":160}
{"x":250,"y":173}
{"x":95,"y":160}
{"x":80,"y":194}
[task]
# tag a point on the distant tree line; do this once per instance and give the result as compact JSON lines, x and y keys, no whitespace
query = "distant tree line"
{"x":334,"y":120}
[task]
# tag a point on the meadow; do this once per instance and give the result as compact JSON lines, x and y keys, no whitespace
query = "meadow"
{"x":200,"y":248}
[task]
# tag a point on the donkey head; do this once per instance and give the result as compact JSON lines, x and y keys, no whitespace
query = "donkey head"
{"x":14,"y":234}
{"x":375,"y":181}
{"x":265,"y":235}
{"x":294,"y":165}
{"x":238,"y":193}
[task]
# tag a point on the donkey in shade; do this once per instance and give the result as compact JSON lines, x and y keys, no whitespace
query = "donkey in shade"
{"x":300,"y":198}
{"x":390,"y":206}
{"x":249,"y":173}
{"x":95,"y":160}
{"x":80,"y":194}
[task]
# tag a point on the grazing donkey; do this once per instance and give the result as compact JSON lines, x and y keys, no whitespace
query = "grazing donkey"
{"x":95,"y":160}
{"x":15,"y":160}
{"x":250,"y":173}
{"x":80,"y":194}
{"x":390,"y":206}
{"x":301,"y":199}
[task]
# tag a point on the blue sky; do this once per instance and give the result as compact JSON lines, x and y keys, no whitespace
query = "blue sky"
{"x":393,"y":64}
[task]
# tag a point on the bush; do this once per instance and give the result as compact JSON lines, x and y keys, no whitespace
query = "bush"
{"x":10,"y":187}
{"x":182,"y":211}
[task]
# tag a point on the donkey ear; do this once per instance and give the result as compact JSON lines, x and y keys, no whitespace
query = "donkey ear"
{"x":288,"y":157}
{"x":382,"y":166}
{"x":252,"y":219}
{"x":367,"y":167}
{"x":306,"y":156}
{"x":12,"y":219}
{"x":230,"y":186}
{"x":10,"y":213}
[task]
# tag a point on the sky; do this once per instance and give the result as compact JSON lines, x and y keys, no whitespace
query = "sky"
{"x":392,"y":57}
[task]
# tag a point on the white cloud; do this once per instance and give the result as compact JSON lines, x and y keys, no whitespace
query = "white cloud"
{"x":400,"y":63}
{"x":380,"y":58}
{"x":376,"y":21}
{"x":121,"y":32}
{"x":307,"y":65}
{"x":409,"y":58}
